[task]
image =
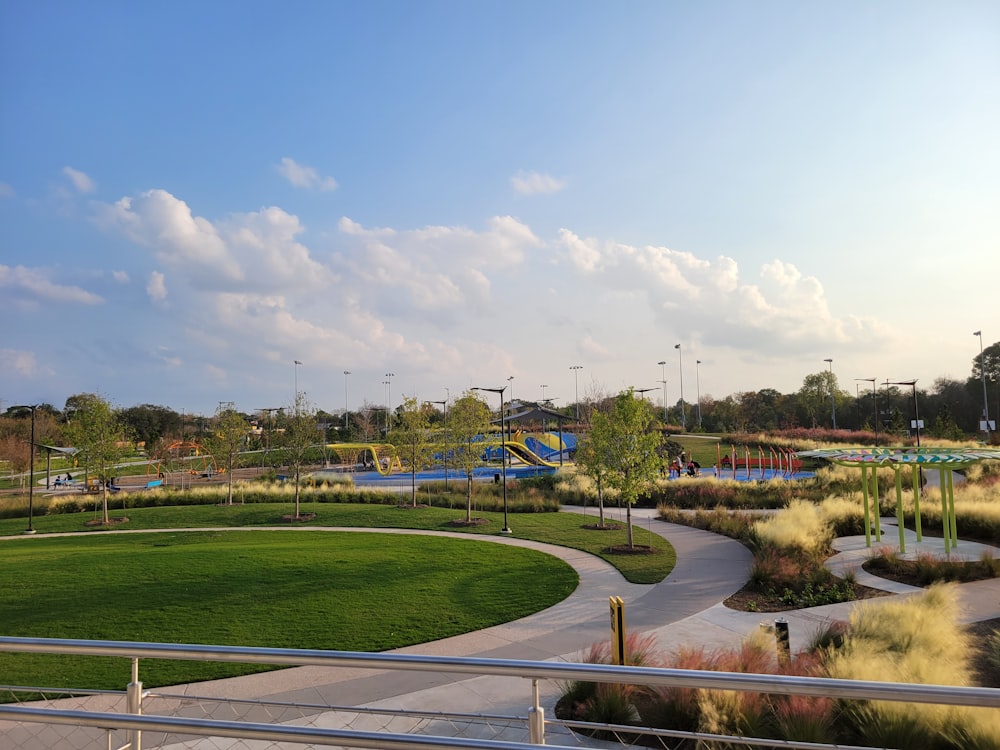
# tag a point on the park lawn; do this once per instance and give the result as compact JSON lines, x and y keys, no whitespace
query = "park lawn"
{"x":564,"y":529}
{"x":306,"y":589}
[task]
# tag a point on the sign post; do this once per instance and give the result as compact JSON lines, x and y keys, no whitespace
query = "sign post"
{"x":617,"y":629}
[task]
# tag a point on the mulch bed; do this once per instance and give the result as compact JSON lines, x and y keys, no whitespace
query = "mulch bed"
{"x":302,"y":517}
{"x":749,"y":600}
{"x":462,"y":523}
{"x":112,"y":521}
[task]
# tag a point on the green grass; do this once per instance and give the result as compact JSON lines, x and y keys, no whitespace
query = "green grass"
{"x":304,"y":589}
{"x":564,"y":529}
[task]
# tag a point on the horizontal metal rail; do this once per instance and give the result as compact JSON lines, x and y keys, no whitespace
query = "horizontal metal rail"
{"x":257,"y":731}
{"x":533,"y":670}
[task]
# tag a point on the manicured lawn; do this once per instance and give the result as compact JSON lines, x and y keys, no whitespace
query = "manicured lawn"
{"x":305,"y":589}
{"x":565,"y":529}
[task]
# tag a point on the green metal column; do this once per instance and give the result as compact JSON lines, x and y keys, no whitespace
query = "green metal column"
{"x":945,"y":516}
{"x":899,"y":509}
{"x":916,"y":502}
{"x":864,"y":492}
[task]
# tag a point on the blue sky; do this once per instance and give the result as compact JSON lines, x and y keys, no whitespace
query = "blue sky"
{"x":195,"y":195}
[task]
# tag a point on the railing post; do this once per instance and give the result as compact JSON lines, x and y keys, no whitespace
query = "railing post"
{"x":536,"y":718}
{"x":135,"y":706}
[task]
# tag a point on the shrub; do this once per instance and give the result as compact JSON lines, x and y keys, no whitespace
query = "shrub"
{"x":801,"y":526}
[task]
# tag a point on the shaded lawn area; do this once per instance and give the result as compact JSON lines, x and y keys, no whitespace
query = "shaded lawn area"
{"x":356,"y":592}
{"x":564,"y":529}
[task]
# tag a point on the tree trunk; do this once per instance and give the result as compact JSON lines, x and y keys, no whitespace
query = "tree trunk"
{"x":628,"y":524}
{"x":468,"y":502}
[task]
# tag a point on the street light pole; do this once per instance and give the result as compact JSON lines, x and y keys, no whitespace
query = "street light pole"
{"x":543,"y":393}
{"x":444,"y":453}
{"x":346,"y":409}
{"x":297,"y":363}
{"x":874,"y":407}
{"x":833,"y":401}
{"x":388,"y":398}
{"x":697,"y":387}
{"x":680,"y":365}
{"x":576,"y":388}
{"x":663,"y":371}
{"x":916,"y":412}
{"x":31,"y":468}
{"x":982,"y":372}
{"x":503,"y":452}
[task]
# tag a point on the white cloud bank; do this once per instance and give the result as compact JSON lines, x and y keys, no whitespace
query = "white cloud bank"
{"x":302,"y":176}
{"x":32,"y":286}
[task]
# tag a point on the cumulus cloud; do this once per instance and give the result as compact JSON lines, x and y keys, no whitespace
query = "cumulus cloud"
{"x":783,"y":309}
{"x":302,"y":176}
{"x":33,"y":286}
{"x":79,"y":180}
{"x":535,"y":183}
{"x":436,"y":268}
{"x":120,"y":276}
{"x":257,"y":250}
{"x":156,"y":287}
{"x":20,"y":362}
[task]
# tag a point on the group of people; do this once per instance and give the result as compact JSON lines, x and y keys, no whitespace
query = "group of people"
{"x":689,"y":466}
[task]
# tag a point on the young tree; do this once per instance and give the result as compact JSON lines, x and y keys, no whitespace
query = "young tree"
{"x":98,"y":434}
{"x":366,"y":422}
{"x":411,"y":437}
{"x":301,"y":433}
{"x":631,"y":450}
{"x":468,"y":420}
{"x":228,"y":438}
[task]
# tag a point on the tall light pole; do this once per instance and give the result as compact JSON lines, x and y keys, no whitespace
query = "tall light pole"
{"x":444,"y":453}
{"x":874,"y":406}
{"x":697,"y":387}
{"x":503,"y":453}
{"x":346,"y":409}
{"x":31,"y":468}
{"x":663,"y":371}
{"x":576,"y":388}
{"x":388,"y":398}
{"x":982,"y":372}
{"x":916,"y":412}
{"x":543,"y":393}
{"x":297,"y":363}
{"x":642,"y":392}
{"x":510,"y":382}
{"x":680,"y":365}
{"x":833,"y":401}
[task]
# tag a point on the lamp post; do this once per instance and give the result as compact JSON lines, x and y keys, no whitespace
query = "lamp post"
{"x":833,"y":401}
{"x":982,"y":372}
{"x":543,"y":393}
{"x":697,"y":387}
{"x":388,"y":398}
{"x":874,"y":407}
{"x":346,"y":409}
{"x":916,"y":413}
{"x":297,"y":363}
{"x":642,"y":391}
{"x":444,"y":453}
{"x":576,"y":388}
{"x":663,"y":371}
{"x":503,"y":453}
{"x":31,"y":468}
{"x":680,"y":365}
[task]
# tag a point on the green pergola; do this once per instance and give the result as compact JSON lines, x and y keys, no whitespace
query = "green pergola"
{"x":945,"y":460}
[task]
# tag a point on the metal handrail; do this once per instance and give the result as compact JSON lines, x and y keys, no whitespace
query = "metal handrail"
{"x":533,"y":670}
{"x":256,"y":731}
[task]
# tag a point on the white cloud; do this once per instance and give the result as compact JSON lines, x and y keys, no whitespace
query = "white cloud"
{"x":535,"y":183}
{"x":80,"y":181}
{"x":33,"y":285}
{"x":20,"y":362}
{"x":120,"y":276}
{"x":786,"y":311}
{"x":302,"y":176}
{"x":6,"y":191}
{"x":156,"y":287}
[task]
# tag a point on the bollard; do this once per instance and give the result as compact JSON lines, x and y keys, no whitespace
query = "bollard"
{"x":782,"y":641}
{"x":134,"y":700}
{"x":536,"y":718}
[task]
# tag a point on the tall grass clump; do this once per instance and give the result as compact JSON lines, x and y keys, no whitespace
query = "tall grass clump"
{"x":977,"y":510}
{"x":801,"y":526}
{"x":919,"y":640}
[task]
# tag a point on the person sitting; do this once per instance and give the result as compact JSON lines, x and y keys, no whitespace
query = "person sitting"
{"x":690,"y":469}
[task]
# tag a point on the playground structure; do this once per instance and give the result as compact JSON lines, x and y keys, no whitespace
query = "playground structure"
{"x":183,"y":455}
{"x":777,"y":463}
{"x":380,"y":457}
